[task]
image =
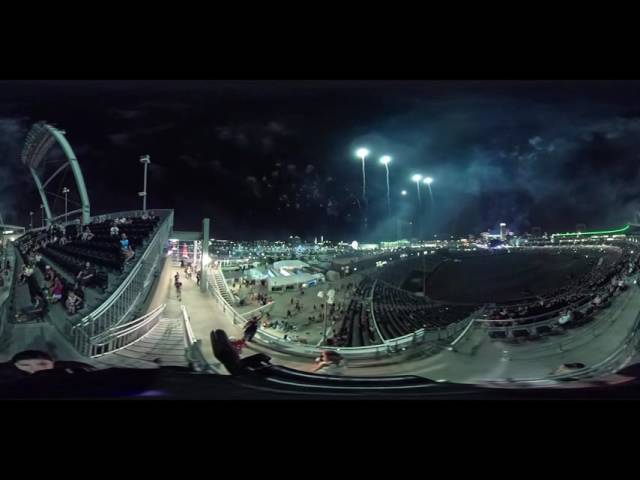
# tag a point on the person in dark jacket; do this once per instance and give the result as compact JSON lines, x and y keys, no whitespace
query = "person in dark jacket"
{"x":251,"y":329}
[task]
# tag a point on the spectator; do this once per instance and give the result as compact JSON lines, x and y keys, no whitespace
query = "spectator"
{"x":48,"y":275}
{"x":86,"y":274}
{"x":57,"y":290}
{"x":251,"y":329}
{"x":114,"y":230}
{"x":87,"y":235}
{"x":125,"y":247}
{"x":73,"y":303}
{"x":326,"y":359}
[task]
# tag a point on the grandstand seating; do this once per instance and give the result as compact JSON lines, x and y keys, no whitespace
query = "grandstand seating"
{"x":67,"y":260}
{"x":356,"y":327}
{"x":399,"y":312}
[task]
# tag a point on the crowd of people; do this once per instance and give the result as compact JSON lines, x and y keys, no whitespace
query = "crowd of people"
{"x":580,"y":298}
{"x":55,"y":288}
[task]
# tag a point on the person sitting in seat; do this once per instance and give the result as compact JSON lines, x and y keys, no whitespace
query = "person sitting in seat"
{"x":114,"y":230}
{"x":24,"y":276}
{"x":125,"y":247}
{"x":77,"y":289}
{"x":57,"y":290}
{"x":86,"y":275}
{"x":73,"y":303}
{"x":49,"y":275}
{"x":87,"y":235}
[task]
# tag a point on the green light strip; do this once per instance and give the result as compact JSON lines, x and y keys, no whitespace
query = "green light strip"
{"x":598,"y":232}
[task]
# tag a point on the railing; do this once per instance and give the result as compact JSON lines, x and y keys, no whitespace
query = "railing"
{"x":220,"y":278}
{"x":627,"y":349}
{"x":193,"y":345}
{"x":263,"y":308}
{"x":396,"y":345}
{"x":126,"y":334}
{"x":122,"y":302}
{"x":9,"y":288}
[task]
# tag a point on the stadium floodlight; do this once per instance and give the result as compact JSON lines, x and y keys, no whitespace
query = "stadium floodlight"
{"x":403,"y":192}
{"x":428,"y":180}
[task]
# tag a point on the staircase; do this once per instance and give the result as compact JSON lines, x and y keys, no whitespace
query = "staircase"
{"x":222,"y":287}
{"x":164,"y":343}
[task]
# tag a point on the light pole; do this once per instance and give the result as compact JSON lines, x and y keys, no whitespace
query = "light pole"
{"x":65,"y":190}
{"x":385,"y":161}
{"x":146,"y":161}
{"x":362,"y":154}
{"x":416,"y":178}
{"x":30,"y":220}
{"x":42,"y":213}
{"x":428,"y":181}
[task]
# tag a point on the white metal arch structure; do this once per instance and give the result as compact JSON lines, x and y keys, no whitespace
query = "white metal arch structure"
{"x":40,"y":139}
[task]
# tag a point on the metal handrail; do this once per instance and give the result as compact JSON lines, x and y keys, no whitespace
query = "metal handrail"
{"x":597,"y":369}
{"x":126,"y":338}
{"x":4,"y":309}
{"x":224,"y":281}
{"x":193,"y":353}
{"x":132,"y":274}
{"x":190,"y":337}
{"x":127,"y":327}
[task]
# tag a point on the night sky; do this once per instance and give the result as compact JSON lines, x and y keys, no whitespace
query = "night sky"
{"x":269,"y":159}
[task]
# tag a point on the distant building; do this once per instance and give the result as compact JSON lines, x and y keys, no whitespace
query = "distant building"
{"x":503,"y":231}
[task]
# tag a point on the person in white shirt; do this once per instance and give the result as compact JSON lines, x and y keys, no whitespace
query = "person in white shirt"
{"x":114,"y":230}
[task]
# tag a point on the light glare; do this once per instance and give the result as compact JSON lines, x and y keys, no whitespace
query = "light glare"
{"x":362,"y":152}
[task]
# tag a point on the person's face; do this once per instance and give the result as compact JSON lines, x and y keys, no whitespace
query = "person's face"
{"x":33,"y":365}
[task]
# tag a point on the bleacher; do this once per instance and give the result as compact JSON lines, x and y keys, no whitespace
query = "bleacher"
{"x":102,"y":251}
{"x":400,"y":313}
{"x":356,"y":329}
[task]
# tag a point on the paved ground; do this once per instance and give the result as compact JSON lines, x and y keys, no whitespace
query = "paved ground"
{"x":309,"y":330}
